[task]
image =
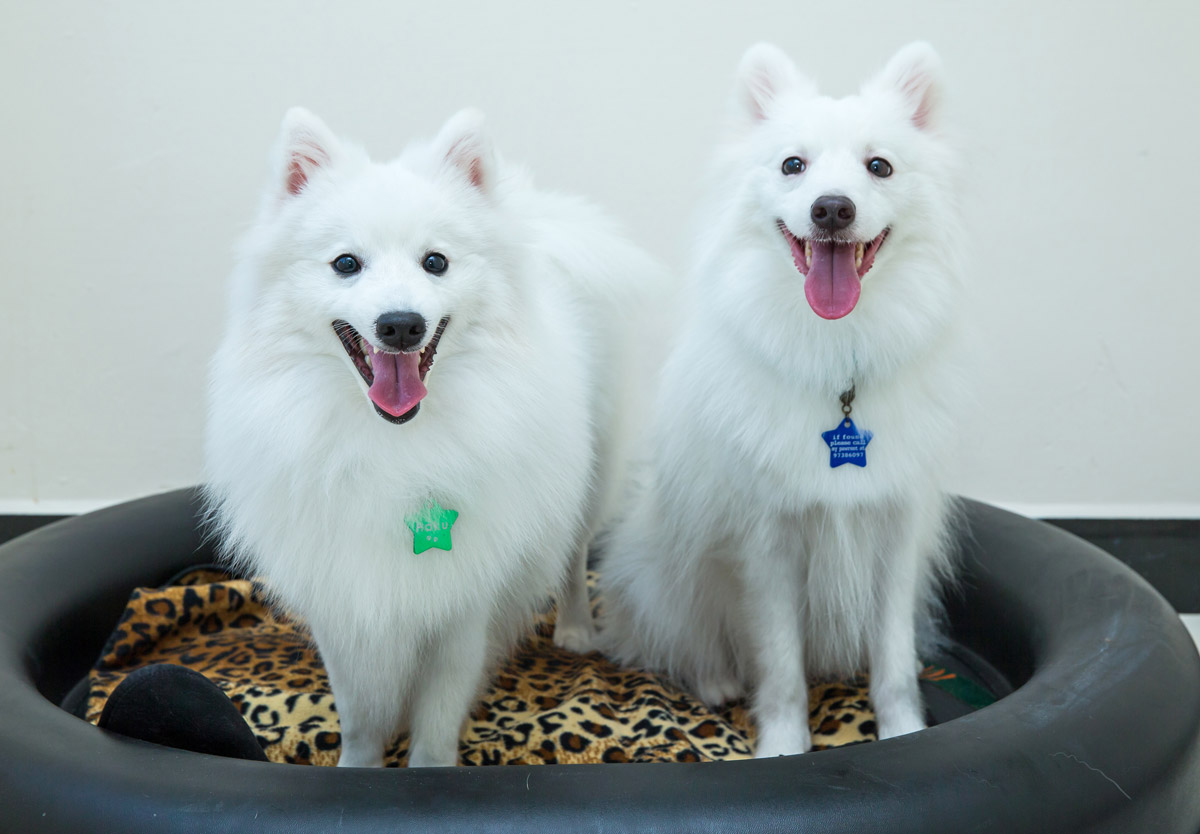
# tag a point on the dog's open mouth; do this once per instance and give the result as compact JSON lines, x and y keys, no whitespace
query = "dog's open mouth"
{"x":395,"y":381}
{"x":833,"y":269}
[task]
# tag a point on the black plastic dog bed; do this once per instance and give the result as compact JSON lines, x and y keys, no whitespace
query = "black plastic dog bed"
{"x":1100,"y":733}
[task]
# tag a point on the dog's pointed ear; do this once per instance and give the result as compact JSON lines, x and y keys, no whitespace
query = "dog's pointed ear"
{"x":765,"y":74}
{"x":915,"y":74}
{"x":465,"y":148}
{"x":306,"y":146}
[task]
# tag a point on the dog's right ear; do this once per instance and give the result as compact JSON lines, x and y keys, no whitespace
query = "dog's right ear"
{"x":466,"y":149}
{"x":765,"y":74}
{"x":305,"y":147}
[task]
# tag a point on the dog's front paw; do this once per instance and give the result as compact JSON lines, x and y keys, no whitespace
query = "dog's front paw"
{"x":429,"y":758}
{"x":580,"y":639}
{"x":718,"y":689}
{"x":782,"y":742}
{"x":360,"y":755}
{"x":899,"y":726}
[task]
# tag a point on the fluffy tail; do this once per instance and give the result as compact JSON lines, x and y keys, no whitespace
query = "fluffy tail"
{"x":661,"y":608}
{"x":941,"y":579}
{"x":623,"y":296}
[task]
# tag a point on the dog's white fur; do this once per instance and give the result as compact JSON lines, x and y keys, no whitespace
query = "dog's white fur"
{"x":522,"y":431}
{"x":745,"y":560}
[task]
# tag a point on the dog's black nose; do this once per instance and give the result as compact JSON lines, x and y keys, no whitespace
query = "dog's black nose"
{"x":400,"y":330}
{"x":833,"y":212}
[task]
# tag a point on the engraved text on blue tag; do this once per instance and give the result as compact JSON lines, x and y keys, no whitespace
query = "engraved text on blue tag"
{"x":847,"y":444}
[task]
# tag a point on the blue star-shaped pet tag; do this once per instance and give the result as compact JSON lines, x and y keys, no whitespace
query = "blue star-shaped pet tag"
{"x":847,"y":444}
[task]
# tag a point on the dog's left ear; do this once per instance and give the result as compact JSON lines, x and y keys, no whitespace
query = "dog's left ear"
{"x":466,"y":148}
{"x":915,"y":73}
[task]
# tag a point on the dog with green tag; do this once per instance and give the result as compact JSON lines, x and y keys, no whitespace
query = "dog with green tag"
{"x":419,"y":416}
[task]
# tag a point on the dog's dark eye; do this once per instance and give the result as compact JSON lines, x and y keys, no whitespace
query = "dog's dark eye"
{"x":880,"y":167}
{"x":346,"y":265}
{"x":793,"y":165}
{"x":435,"y":263}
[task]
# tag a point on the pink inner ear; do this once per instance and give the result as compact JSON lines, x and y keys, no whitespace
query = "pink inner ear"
{"x":760,"y":90}
{"x":918,"y":90}
{"x":466,"y":157}
{"x":475,"y":172}
{"x":298,"y":170}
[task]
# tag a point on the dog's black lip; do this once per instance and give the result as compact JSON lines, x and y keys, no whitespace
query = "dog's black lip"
{"x":349,"y":338}
{"x":431,"y":348}
{"x":397,"y":419}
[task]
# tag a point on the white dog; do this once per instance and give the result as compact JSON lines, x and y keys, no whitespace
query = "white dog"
{"x":790,"y":522}
{"x":415,"y":515}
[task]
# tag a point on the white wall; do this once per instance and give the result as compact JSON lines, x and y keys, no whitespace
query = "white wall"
{"x":133,"y":146}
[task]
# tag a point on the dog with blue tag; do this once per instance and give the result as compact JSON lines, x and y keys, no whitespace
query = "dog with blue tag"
{"x":790,"y":522}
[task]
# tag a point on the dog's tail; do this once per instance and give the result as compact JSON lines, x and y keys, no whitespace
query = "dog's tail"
{"x":622,"y":299}
{"x":941,"y":580}
{"x":660,"y":608}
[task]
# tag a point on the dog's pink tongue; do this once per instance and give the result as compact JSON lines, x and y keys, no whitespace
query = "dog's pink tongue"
{"x":832,"y":285}
{"x":397,"y":386}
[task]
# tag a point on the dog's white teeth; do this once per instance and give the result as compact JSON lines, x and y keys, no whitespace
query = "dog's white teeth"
{"x":808,"y":253}
{"x":858,"y":255}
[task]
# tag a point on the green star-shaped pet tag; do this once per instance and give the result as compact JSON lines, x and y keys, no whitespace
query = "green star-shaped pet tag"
{"x":431,"y":527}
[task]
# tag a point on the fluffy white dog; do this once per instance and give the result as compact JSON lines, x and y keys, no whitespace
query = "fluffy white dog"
{"x":416,"y":516}
{"x":791,"y":521}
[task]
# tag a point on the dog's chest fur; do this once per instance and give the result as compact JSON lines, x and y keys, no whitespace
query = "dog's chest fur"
{"x":325,"y":511}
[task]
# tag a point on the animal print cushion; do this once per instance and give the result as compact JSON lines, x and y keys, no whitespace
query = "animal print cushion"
{"x":546,"y":705}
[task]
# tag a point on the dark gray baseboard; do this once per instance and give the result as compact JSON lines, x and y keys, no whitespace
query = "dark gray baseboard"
{"x":12,"y":526}
{"x":1165,"y":552}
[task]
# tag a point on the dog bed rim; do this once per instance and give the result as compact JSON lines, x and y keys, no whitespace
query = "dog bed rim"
{"x":1062,"y":753}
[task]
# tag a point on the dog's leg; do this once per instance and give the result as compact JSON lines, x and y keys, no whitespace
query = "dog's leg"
{"x":719,"y":687}
{"x":573,"y":627}
{"x":773,"y":616}
{"x":368,"y":691}
{"x":893,"y":653}
{"x":711,"y":634}
{"x":448,"y":688}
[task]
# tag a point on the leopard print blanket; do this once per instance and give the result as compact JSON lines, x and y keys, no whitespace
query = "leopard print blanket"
{"x":546,"y":705}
